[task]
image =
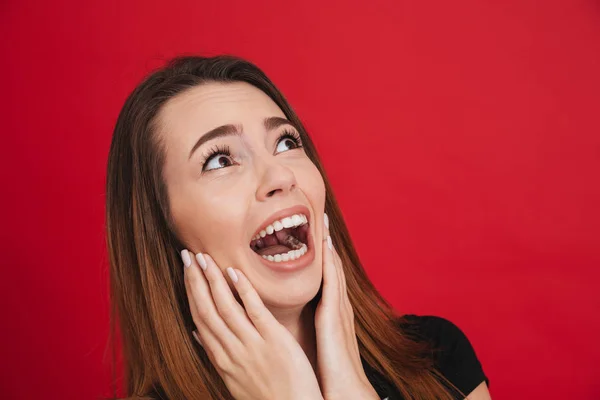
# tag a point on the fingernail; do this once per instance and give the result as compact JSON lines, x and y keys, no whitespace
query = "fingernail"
{"x":329,"y":243}
{"x":185,"y":256}
{"x":201,"y":261}
{"x":326,"y":220}
{"x":196,"y":337}
{"x":232,"y":274}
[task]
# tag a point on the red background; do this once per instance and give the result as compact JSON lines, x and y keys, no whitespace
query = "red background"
{"x":462,"y":140}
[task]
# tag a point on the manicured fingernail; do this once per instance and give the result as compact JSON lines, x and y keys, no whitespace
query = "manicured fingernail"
{"x":326,"y":220}
{"x":232,"y":274}
{"x":196,"y":337}
{"x":201,"y":261}
{"x":329,"y":242}
{"x":185,"y":256}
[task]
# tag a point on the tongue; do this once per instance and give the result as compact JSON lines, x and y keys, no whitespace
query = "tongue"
{"x":282,"y":236}
{"x":272,"y":250}
{"x":280,"y":242}
{"x":276,"y":244}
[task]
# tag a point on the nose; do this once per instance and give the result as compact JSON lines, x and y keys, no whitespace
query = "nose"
{"x":277,"y":179}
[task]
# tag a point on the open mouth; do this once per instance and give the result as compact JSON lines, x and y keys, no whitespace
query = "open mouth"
{"x":283,"y":240}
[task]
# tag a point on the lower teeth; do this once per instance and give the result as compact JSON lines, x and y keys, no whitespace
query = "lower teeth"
{"x":290,"y":255}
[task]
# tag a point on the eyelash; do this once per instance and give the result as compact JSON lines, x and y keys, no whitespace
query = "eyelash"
{"x":226,"y":151}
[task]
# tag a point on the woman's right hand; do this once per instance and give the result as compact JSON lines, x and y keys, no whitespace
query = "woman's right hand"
{"x":255,"y":355}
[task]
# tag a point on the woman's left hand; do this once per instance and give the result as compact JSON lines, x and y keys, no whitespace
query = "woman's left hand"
{"x":341,"y":374}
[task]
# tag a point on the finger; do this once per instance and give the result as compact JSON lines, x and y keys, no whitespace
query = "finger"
{"x":199,"y":283}
{"x":339,"y":272}
{"x":339,"y":266}
{"x":229,"y":309}
{"x":205,"y":338}
{"x":203,"y":335}
{"x":202,"y":306}
{"x":348,"y":315}
{"x":330,"y":275}
{"x":345,"y":306}
{"x":345,"y":295}
{"x":260,"y":315}
{"x":340,"y":269}
{"x":216,"y":354}
{"x":336,"y":261}
{"x":196,"y":337}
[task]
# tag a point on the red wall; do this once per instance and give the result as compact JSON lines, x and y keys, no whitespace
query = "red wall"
{"x":463,"y":141}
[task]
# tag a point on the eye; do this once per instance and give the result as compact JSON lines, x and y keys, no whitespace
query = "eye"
{"x":218,"y":161}
{"x":217,"y":158}
{"x":289,"y":140}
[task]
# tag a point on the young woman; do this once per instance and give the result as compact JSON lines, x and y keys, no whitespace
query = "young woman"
{"x":233,"y":275}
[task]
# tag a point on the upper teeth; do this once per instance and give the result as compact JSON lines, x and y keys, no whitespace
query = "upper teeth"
{"x":287,"y":222}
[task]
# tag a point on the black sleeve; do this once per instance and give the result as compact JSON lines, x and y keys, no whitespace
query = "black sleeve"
{"x":455,"y":358}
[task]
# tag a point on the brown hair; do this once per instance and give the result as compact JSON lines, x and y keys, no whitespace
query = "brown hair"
{"x":149,"y":305}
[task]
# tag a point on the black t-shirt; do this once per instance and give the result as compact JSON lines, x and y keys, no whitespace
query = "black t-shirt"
{"x":456,"y":359}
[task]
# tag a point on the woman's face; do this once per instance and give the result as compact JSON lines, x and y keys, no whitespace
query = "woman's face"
{"x":233,"y":167}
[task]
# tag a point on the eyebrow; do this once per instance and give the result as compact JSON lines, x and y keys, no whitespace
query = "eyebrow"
{"x":269,"y":123}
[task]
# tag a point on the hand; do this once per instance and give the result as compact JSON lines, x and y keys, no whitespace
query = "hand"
{"x":340,"y":370}
{"x":255,"y":355}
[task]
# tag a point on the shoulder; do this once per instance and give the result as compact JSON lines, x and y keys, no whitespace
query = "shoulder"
{"x":454,"y":355}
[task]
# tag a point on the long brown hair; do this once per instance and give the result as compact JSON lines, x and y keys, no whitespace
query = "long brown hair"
{"x":149,"y":305}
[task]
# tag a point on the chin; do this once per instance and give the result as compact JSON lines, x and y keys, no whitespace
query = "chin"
{"x":295,"y":292}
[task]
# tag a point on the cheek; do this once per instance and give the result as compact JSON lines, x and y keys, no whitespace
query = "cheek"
{"x":210,"y":220}
{"x":311,"y":182}
{"x":222,"y":221}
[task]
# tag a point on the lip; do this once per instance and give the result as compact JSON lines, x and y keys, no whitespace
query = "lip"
{"x":287,"y":212}
{"x":291,"y":265}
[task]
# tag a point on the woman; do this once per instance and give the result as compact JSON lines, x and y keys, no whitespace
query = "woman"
{"x":232,"y":271}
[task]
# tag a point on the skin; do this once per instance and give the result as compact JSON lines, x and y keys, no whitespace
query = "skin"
{"x":481,"y":392}
{"x":219,"y":211}
{"x":216,"y":212}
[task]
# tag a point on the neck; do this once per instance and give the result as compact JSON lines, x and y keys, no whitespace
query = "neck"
{"x":300,"y":322}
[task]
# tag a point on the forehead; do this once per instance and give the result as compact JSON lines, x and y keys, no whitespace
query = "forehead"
{"x":213,"y":104}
